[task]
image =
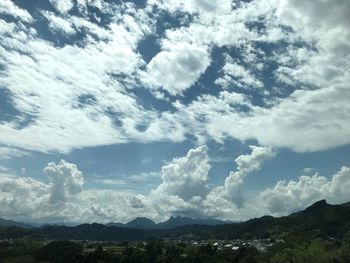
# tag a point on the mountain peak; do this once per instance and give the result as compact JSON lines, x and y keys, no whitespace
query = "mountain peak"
{"x":141,"y":222}
{"x":317,"y":205}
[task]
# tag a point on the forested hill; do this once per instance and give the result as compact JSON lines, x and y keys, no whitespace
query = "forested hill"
{"x":172,"y":222}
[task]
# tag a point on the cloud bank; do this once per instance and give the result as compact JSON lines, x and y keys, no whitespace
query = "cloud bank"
{"x":184,"y":190}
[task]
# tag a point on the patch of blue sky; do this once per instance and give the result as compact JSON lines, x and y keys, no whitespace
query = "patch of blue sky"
{"x":148,"y":47}
{"x":9,"y":113}
{"x":166,"y":21}
{"x":206,"y":82}
{"x":290,"y":165}
{"x":7,"y":110}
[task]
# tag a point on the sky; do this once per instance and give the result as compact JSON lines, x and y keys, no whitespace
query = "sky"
{"x":111,"y":110}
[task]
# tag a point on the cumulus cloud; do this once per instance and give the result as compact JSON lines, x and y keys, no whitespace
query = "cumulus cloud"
{"x":15,"y":193}
{"x":252,"y":162}
{"x":65,"y":180}
{"x":63,"y":198}
{"x":183,"y":190}
{"x":25,"y":198}
{"x":178,"y":67}
{"x":286,"y":197}
{"x":44,"y":81}
{"x":187,"y":176}
{"x":245,"y":164}
{"x":62,"y":6}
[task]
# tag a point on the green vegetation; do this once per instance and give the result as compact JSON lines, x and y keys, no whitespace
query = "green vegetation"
{"x":293,"y":250}
{"x":320,"y":233}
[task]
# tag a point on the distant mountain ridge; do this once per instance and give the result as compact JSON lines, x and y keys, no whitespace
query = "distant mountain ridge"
{"x":320,"y":220}
{"x":172,"y":222}
{"x":6,"y":222}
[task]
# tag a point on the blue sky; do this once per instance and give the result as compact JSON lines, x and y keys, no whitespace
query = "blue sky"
{"x":111,"y":110}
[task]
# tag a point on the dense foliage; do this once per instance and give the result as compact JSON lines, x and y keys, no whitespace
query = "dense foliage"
{"x":296,"y":250}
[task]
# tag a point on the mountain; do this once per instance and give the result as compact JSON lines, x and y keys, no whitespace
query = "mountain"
{"x":178,"y":221}
{"x":320,"y":220}
{"x":314,"y":208}
{"x":137,"y":223}
{"x":6,"y":223}
{"x":141,"y":223}
{"x":346,"y":204}
{"x":92,"y":232}
{"x":116,"y":224}
{"x":172,"y":222}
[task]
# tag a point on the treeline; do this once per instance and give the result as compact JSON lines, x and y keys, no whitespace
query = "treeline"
{"x":297,"y":250}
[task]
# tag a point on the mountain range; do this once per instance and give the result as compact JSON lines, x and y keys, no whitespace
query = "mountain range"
{"x":6,"y":223}
{"x":137,"y":223}
{"x":172,"y":222}
{"x":320,"y":220}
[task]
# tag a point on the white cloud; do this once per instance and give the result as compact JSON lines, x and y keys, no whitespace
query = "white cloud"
{"x":309,"y":170}
{"x":184,"y":190}
{"x":228,"y":27}
{"x":306,"y":121}
{"x":65,"y":180}
{"x":309,"y":120}
{"x":63,"y":198}
{"x":193,"y":6}
{"x":9,"y":152}
{"x":56,"y":73}
{"x":128,"y":181}
{"x":15,"y":193}
{"x":252,"y":162}
{"x":286,"y":197}
{"x":9,"y":8}
{"x":62,"y":6}
{"x":326,"y":62}
{"x":108,"y":181}
{"x":245,"y":164}
{"x":234,"y":73}
{"x":43,"y":78}
{"x":178,"y":67}
{"x":313,"y":17}
{"x":3,"y":168}
{"x":187,"y":176}
{"x":198,"y":115}
{"x":93,"y":110}
{"x":46,"y":200}
{"x":91,"y":28}
{"x":59,"y":24}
